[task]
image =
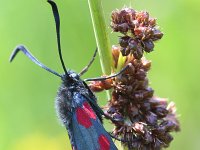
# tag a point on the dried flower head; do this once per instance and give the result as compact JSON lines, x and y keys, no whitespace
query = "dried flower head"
{"x":139,"y":31}
{"x":146,"y":120}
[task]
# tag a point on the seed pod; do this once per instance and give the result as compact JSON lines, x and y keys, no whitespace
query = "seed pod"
{"x":157,"y":34}
{"x":123,"y":28}
{"x":161,"y":111}
{"x":138,"y":53}
{"x":124,"y":41}
{"x":142,"y":17}
{"x":151,"y":118}
{"x":152,"y":22}
{"x":148,"y":46}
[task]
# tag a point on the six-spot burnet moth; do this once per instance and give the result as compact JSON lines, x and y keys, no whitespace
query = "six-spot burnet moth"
{"x":75,"y":103}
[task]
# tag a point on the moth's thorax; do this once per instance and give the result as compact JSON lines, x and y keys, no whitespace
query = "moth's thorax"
{"x":71,"y":86}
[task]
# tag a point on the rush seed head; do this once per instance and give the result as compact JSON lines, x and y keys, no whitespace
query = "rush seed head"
{"x":147,"y":120}
{"x":139,"y":31}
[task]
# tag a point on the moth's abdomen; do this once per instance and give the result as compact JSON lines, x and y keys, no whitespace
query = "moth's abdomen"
{"x":63,"y":105}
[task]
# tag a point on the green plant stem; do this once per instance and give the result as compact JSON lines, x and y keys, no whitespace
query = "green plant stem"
{"x":102,"y":40}
{"x":101,"y":35}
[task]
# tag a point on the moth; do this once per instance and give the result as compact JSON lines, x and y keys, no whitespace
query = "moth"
{"x":75,"y":103}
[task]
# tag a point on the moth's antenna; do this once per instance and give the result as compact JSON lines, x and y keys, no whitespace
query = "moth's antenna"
{"x":85,"y":69}
{"x":111,"y":76}
{"x":57,"y":21}
{"x":32,"y":58}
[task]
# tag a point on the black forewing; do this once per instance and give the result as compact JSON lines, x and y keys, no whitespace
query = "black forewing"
{"x":93,"y":102}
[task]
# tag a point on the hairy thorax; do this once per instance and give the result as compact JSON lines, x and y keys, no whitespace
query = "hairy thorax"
{"x":66,"y":97}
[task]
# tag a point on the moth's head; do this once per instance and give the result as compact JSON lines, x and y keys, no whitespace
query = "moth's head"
{"x":71,"y":76}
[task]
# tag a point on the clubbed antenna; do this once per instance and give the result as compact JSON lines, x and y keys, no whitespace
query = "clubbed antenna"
{"x":32,"y":58}
{"x":57,"y":21}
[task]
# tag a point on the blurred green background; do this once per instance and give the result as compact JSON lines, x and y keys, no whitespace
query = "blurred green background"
{"x":27,"y":92}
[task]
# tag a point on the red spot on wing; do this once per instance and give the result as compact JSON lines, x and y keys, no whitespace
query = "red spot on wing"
{"x":83,"y":118}
{"x":104,"y":142}
{"x":85,"y":114}
{"x":89,"y":110}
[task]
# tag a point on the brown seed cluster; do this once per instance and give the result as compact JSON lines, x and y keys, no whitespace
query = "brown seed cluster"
{"x":139,"y":31}
{"x":145,"y":120}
